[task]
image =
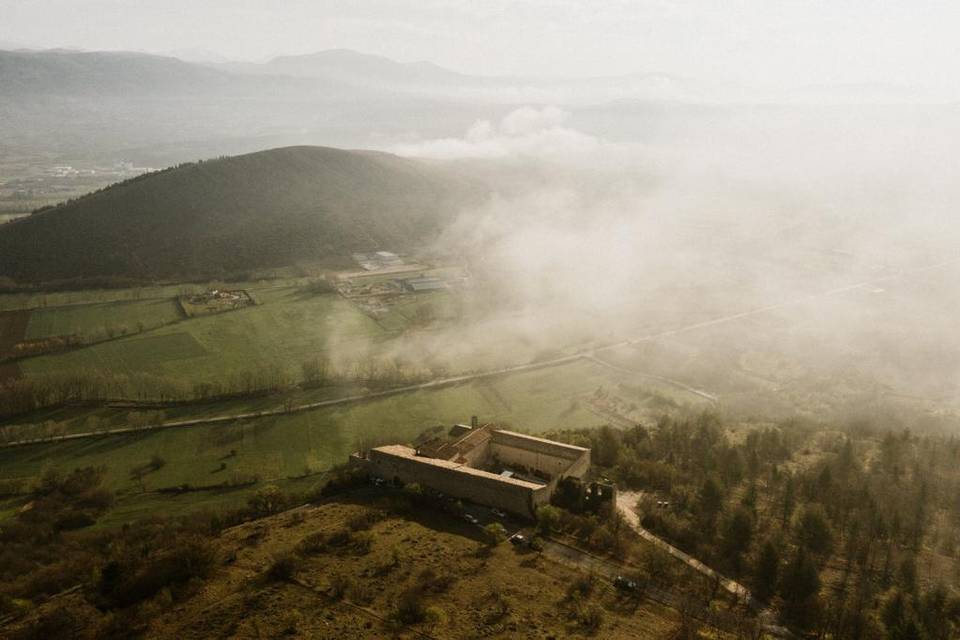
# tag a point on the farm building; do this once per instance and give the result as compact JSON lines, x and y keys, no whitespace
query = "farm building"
{"x":378,"y":260}
{"x":423,"y":283}
{"x":482,"y":464}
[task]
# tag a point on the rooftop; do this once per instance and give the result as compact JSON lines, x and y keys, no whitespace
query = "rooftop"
{"x":402,"y":451}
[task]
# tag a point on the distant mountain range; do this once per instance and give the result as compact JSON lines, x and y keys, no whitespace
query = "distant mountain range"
{"x":238,"y":214}
{"x":351,"y":66}
{"x":158,"y":110}
{"x":69,"y":72}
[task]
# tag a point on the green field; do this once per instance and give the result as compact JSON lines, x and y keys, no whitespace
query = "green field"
{"x":287,"y":326}
{"x":284,"y":329}
{"x":441,"y":305}
{"x":282,"y":447}
{"x":13,"y":301}
{"x":94,"y":319}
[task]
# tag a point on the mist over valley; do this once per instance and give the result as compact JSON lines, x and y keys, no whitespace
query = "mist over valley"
{"x":331,"y":339}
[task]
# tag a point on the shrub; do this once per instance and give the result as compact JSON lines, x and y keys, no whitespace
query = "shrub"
{"x":340,"y":585}
{"x":500,"y":607}
{"x":383,"y":568}
{"x":365,"y":519}
{"x":581,"y":587}
{"x":361,"y":593}
{"x":591,"y":617}
{"x":131,"y":579}
{"x":344,"y":479}
{"x":344,"y":539}
{"x":59,"y":623}
{"x":495,"y":533}
{"x":283,"y":568}
{"x":313,"y":544}
{"x":361,"y":543}
{"x":431,"y":581}
{"x":410,"y":606}
{"x":291,"y":622}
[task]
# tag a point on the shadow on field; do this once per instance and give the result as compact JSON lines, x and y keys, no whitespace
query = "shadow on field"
{"x":45,"y":451}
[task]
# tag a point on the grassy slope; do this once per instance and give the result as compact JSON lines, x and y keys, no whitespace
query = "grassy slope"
{"x":533,"y":588}
{"x":255,"y":211}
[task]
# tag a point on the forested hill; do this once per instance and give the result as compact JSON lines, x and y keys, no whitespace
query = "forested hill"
{"x":231,"y":215}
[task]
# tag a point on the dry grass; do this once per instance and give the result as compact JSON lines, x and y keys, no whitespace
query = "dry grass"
{"x":344,"y":592}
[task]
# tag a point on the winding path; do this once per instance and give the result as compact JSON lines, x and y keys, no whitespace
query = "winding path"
{"x":626,"y":504}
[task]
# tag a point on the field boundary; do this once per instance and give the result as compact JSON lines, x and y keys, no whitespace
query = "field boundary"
{"x":68,"y":347}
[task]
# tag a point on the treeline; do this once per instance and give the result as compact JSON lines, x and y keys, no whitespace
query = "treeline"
{"x":31,"y":393}
{"x":60,"y":343}
{"x":836,"y":529}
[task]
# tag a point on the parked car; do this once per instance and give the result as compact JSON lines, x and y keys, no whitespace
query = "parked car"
{"x":498,"y":513}
{"x":469,"y":517}
{"x":518,"y":539}
{"x":626,"y":584}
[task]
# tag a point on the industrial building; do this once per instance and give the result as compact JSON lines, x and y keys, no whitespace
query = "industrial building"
{"x":482,"y":464}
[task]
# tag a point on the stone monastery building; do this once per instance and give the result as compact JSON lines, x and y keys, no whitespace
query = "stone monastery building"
{"x":482,"y":464}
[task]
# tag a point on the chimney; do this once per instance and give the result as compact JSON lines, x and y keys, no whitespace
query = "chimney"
{"x":474,"y":422}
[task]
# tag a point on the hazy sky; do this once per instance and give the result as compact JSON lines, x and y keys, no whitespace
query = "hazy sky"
{"x":909,"y":42}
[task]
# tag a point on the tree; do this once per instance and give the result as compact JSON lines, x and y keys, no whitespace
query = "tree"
{"x":711,"y":499}
{"x":789,"y":501}
{"x":495,"y":533}
{"x":765,"y":571}
{"x":799,"y":587}
{"x":735,"y":536}
{"x":548,"y":518}
{"x":268,"y":500}
{"x":813,"y":531}
{"x":606,"y":446}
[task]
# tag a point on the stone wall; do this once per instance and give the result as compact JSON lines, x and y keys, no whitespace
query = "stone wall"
{"x":552,"y":458}
{"x":400,"y":463}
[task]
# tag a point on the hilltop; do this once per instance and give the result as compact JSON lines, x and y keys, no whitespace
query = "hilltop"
{"x":29,"y":74}
{"x":236,"y":214}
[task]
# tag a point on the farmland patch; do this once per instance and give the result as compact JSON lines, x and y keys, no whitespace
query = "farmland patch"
{"x":101,"y":320}
{"x":13,"y":326}
{"x":131,"y":354}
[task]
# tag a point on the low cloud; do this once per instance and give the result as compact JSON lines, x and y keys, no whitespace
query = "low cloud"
{"x":524,"y":132}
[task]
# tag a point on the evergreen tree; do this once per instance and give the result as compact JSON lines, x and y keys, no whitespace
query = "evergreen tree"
{"x":765,"y":572}
{"x":799,"y":587}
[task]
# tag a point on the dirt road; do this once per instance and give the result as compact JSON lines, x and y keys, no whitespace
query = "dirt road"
{"x":626,"y":504}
